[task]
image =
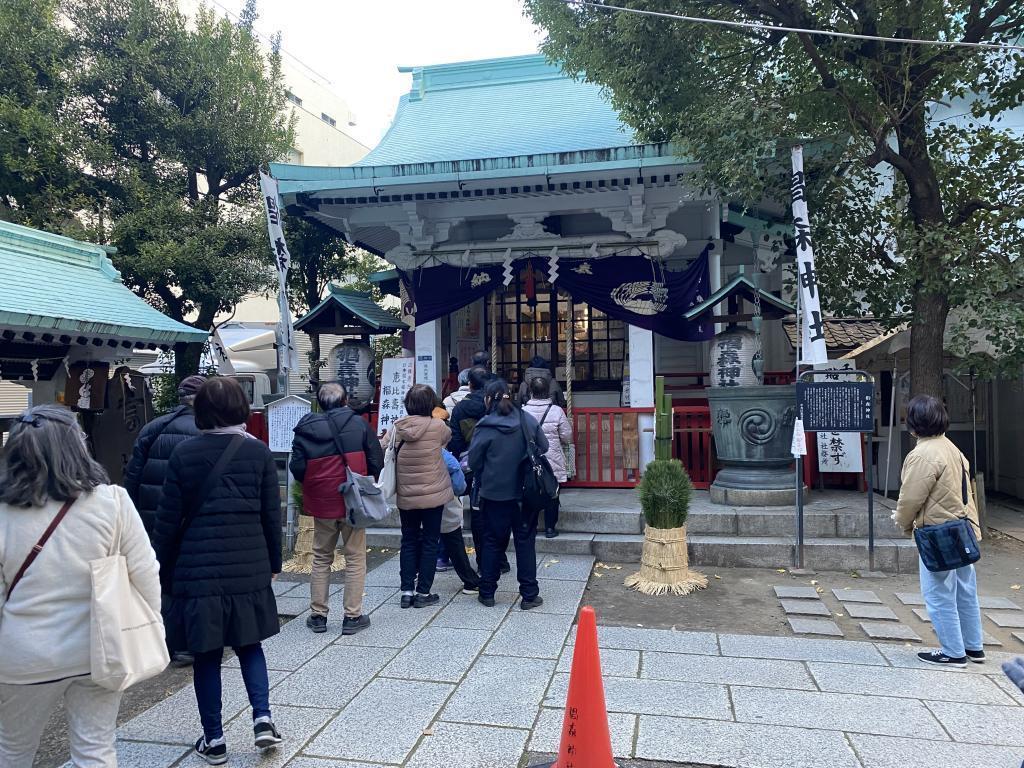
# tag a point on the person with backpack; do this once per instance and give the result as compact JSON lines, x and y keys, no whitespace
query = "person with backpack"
{"x":58,"y":514}
{"x":539,"y":369}
{"x":423,"y":488}
{"x":218,"y":540}
{"x":464,"y":418}
{"x":459,"y":394}
{"x":324,"y":444}
{"x":145,"y":473}
{"x":498,"y":457}
{"x":452,"y":543}
{"x":558,"y":431}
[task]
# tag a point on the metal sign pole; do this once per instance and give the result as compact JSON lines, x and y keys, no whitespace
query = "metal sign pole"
{"x":799,"y":512}
{"x":869,"y":482}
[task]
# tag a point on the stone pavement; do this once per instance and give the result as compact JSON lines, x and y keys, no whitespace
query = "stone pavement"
{"x":461,"y":686}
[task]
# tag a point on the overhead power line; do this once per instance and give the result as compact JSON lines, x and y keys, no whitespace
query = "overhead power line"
{"x":799,"y":30}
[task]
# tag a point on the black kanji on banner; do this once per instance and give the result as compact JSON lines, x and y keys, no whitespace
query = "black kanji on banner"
{"x":836,"y":406}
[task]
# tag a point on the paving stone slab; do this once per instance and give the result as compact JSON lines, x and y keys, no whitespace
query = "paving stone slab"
{"x":1001,"y":726}
{"x":869,"y":611}
{"x":802,"y":649}
{"x":930,"y":685}
{"x":806,"y":593}
{"x":1007,"y":687}
{"x":560,"y":596}
{"x":740,"y":745}
{"x":922,"y":614}
{"x":358,"y":732}
{"x":883,"y":716}
{"x":332,"y":678}
{"x":565,"y":567}
{"x":856,"y":596}
{"x":805,"y":607}
{"x":455,"y":745}
{"x":901,"y":656}
{"x":295,"y":644}
{"x":297,"y":725}
{"x":727,"y":671}
{"x":1019,"y":636}
{"x":465,"y":612}
{"x":815,"y":627}
{"x":536,"y":635}
{"x":292,"y":606}
{"x":501,"y":690}
{"x":987,"y":639}
{"x":614,"y":662}
{"x":319,"y":762}
{"x":890,"y":752}
{"x":998,"y":603}
{"x":175,"y":720}
{"x":910,"y":598}
{"x":547,"y":734}
{"x":667,"y":640}
{"x":653,"y":697}
{"x":394,"y":626}
{"x":136,"y":754}
{"x":281,"y":587}
{"x":878,"y":630}
{"x":1010,"y":620}
{"x":438,"y":653}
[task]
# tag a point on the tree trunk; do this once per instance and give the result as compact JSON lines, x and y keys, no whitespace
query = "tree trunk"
{"x":314,"y":359}
{"x":186,"y":359}
{"x":926,"y":343}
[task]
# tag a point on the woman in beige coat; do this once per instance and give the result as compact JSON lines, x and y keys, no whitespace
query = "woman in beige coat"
{"x":557,"y":429}
{"x":935,"y":489}
{"x":424,"y":487}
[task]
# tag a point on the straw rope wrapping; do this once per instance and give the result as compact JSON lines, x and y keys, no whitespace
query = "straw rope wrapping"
{"x":302,"y":559}
{"x":665,"y":565}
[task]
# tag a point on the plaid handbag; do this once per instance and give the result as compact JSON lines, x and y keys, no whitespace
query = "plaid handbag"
{"x":950,"y":545}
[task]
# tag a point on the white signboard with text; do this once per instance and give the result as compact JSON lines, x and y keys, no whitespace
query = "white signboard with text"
{"x":282,"y":416}
{"x":397,"y":376}
{"x":839,"y":451}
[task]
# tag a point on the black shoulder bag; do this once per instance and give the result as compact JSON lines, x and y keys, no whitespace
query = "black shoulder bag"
{"x":189,"y":516}
{"x":540,"y":485}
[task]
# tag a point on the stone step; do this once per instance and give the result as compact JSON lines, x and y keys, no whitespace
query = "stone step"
{"x":823,"y":554}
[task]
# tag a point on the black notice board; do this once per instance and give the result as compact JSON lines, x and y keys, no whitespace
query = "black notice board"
{"x":836,"y":406}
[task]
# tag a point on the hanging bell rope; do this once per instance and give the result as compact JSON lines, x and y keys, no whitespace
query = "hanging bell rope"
{"x":494,"y":331}
{"x":570,"y":344}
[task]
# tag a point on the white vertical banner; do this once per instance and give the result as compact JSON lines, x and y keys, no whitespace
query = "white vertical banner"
{"x":287,"y":352}
{"x":812,"y":324}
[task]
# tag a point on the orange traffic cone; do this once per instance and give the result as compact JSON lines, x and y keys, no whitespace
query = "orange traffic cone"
{"x":586,"y":741}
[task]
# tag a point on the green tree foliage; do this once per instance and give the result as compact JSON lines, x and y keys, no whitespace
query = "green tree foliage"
{"x":913,"y":215}
{"x":40,"y":175}
{"x":180,"y":116}
{"x":664,"y":492}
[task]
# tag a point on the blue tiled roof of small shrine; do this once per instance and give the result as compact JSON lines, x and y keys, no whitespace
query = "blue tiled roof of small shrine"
{"x":53,"y":283}
{"x":497,"y":108}
{"x":488,"y":119}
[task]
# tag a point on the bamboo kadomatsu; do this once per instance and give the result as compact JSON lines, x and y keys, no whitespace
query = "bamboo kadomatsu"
{"x":664,"y":563}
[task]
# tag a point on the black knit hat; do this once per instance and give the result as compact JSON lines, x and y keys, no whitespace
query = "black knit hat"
{"x":190,"y":385}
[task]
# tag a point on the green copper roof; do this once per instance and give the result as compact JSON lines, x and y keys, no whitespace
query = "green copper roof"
{"x":345,"y":310}
{"x":488,"y":119}
{"x":497,"y":108}
{"x":53,"y":283}
{"x":771,"y":305}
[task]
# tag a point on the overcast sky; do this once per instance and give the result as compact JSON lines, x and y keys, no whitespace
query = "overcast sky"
{"x":359,"y":44}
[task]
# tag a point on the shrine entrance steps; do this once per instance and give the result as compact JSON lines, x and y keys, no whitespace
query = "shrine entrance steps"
{"x":608,"y":525}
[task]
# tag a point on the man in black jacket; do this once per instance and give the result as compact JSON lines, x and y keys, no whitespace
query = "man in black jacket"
{"x":144,"y":477}
{"x":324,"y":444}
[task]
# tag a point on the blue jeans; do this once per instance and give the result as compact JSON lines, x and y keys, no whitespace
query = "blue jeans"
{"x":502,"y":518}
{"x":952,"y":601}
{"x":206,"y":679}
{"x":421,"y":537}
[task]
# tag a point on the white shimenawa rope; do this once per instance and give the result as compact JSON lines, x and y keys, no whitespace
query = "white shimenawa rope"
{"x":799,"y":30}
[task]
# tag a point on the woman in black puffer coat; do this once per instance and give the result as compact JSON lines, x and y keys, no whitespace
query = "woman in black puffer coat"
{"x":217,"y":575}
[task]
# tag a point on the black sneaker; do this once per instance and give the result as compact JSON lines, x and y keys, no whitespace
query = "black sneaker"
{"x":317,"y":623}
{"x":528,"y":604}
{"x":486,"y":601}
{"x":938,"y":657}
{"x":469,"y":589}
{"x":407,"y":601}
{"x":266,"y":734}
{"x":352,"y":625}
{"x":217,"y":755}
{"x":422,"y":601}
{"x":550,"y":533}
{"x":182,"y":659}
{"x":978,"y":657}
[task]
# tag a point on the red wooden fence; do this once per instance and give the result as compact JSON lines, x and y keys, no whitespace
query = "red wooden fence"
{"x":691,"y":443}
{"x":607,"y":454}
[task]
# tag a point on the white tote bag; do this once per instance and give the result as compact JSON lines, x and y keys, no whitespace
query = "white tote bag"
{"x":388,"y":482}
{"x":126,"y":634}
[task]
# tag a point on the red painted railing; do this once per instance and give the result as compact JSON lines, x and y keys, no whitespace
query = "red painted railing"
{"x":607,"y":447}
{"x":692,"y":443}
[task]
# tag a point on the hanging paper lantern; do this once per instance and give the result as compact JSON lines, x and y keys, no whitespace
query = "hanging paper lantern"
{"x":733,"y":356}
{"x":352,"y":365}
